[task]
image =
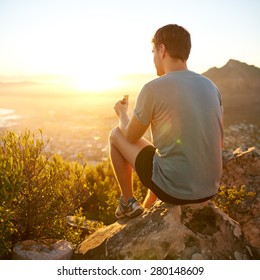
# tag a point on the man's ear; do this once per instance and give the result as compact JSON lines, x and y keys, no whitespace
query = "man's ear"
{"x":162,"y":50}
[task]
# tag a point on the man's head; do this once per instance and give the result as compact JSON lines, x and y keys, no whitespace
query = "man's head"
{"x":173,"y":39}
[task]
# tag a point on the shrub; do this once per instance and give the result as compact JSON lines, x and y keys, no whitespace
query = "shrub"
{"x":38,"y":191}
{"x":230,"y":199}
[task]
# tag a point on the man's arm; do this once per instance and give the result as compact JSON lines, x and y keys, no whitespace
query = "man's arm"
{"x":135,"y":130}
{"x":132,"y":128}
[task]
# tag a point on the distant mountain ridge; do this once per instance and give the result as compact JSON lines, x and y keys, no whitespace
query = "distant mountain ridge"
{"x":20,"y":83}
{"x":235,"y":69}
{"x":239,"y":84}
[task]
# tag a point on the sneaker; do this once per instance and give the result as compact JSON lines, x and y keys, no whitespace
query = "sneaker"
{"x":132,"y":209}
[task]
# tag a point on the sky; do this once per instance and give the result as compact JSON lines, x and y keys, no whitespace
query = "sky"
{"x":98,"y":44}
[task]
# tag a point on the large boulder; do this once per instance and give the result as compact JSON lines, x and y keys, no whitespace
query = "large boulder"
{"x":241,"y":168}
{"x":194,"y":231}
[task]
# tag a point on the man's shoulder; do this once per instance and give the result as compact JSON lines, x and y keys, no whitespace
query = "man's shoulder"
{"x":158,"y":82}
{"x":155,"y":81}
{"x":200,"y":79}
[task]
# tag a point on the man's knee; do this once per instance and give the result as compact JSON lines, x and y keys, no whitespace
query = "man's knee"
{"x":114,"y":134}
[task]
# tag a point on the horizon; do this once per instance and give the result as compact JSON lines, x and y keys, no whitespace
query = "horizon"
{"x":97,"y":46}
{"x":128,"y":83}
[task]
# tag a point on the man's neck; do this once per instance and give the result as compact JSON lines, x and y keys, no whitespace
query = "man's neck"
{"x":175,"y":65}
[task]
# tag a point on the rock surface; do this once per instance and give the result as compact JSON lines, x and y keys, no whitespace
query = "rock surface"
{"x":194,"y":231}
{"x":242,"y":168}
{"x":49,"y":250}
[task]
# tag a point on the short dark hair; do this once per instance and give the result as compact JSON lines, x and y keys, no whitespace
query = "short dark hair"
{"x":176,"y":40}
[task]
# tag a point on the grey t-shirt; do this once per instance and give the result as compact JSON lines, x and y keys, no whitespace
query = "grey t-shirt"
{"x":184,"y":111}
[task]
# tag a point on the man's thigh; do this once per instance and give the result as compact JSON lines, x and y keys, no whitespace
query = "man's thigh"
{"x":128,"y":150}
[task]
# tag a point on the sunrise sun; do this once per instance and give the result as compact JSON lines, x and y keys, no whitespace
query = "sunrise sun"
{"x":95,"y":82}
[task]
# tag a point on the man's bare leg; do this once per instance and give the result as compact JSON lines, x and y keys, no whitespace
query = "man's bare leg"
{"x":123,"y":172}
{"x":123,"y":155}
{"x":149,"y":199}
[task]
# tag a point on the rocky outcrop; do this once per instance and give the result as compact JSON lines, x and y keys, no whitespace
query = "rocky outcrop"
{"x":242,"y":168}
{"x":195,"y":231}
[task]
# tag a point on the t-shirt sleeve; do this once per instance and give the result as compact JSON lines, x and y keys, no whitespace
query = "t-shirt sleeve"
{"x":144,"y":106}
{"x":220,"y":101}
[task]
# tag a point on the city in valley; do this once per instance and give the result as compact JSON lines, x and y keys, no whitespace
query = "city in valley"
{"x":74,"y":124}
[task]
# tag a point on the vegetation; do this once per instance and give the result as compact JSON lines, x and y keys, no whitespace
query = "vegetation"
{"x":230,"y":200}
{"x":38,"y":191}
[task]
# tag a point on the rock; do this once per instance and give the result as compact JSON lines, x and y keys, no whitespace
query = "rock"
{"x":242,"y":167}
{"x":194,"y":231}
{"x":48,"y":250}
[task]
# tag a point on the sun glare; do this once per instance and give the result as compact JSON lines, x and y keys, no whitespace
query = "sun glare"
{"x":93,"y":83}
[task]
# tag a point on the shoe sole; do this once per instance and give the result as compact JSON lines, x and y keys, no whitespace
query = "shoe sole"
{"x":132,"y":214}
{"x":135,"y":213}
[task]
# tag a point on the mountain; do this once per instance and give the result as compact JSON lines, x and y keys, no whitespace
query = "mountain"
{"x":239,"y":84}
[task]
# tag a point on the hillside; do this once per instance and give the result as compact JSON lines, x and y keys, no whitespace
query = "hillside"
{"x":239,"y":84}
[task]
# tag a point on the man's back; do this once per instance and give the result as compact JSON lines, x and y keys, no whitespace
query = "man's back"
{"x":184,"y":110}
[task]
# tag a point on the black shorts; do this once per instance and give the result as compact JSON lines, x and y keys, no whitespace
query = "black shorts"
{"x":144,"y":169}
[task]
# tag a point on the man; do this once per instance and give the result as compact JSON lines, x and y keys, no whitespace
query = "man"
{"x":183,"y":163}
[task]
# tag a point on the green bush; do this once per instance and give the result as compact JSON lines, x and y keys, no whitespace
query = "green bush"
{"x":38,"y":191}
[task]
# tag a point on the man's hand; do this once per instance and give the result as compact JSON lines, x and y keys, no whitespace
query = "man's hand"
{"x":132,"y":129}
{"x":121,"y":107}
